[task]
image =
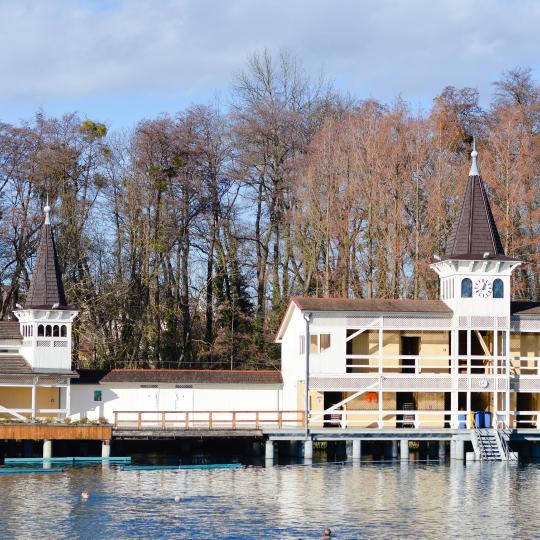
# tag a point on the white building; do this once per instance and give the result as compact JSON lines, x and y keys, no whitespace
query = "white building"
{"x":422,"y":363}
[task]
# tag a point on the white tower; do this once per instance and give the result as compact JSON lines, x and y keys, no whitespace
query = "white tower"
{"x":475,"y":272}
{"x":46,"y":319}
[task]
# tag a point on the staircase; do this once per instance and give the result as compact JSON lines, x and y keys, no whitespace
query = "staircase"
{"x":491,"y":445}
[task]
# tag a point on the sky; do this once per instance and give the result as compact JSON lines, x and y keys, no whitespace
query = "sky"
{"x":119,"y":61}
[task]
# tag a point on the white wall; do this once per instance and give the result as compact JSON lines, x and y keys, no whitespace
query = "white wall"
{"x":131,"y":397}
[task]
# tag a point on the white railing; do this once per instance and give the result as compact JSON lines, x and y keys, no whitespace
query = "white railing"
{"x":419,"y":419}
{"x":469,"y":365}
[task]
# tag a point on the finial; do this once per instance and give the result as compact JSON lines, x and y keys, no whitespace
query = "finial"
{"x":47,"y":210}
{"x":474,"y":167}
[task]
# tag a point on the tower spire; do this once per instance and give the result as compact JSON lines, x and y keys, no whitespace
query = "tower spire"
{"x":46,"y":288}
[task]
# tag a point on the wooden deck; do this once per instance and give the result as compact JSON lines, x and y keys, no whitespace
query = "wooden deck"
{"x":55,"y":432}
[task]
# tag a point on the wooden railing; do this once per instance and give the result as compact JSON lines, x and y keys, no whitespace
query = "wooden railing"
{"x":208,"y":419}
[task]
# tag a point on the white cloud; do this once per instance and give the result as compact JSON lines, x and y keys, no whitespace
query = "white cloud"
{"x":54,"y":49}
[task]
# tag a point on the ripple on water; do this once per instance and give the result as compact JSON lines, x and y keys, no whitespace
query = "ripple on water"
{"x":373,"y":500}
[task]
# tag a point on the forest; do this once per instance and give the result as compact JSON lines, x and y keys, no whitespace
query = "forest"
{"x":183,"y":239}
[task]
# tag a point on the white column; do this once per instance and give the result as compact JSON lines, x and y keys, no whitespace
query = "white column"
{"x":34,"y":412}
{"x":455,"y":372}
{"x":106,"y":449}
{"x":459,"y":450}
{"x":308,"y":450}
{"x":356,"y":449}
{"x":68,"y":398}
{"x":404,"y":450}
{"x":380,"y":400}
{"x":496,"y":375}
{"x":506,"y":347}
{"x":468,"y":417}
{"x":269,"y":451}
{"x":47,"y":449}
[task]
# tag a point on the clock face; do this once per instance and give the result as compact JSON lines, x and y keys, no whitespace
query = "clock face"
{"x":482,"y":288}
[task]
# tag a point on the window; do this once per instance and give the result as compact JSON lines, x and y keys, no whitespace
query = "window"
{"x":63,"y":331}
{"x":314,"y":341}
{"x":97,"y":395}
{"x":498,"y":288}
{"x":40,"y":330}
{"x":48,"y":330}
{"x":466,"y":288}
{"x":325,"y":342}
{"x":56,"y":331}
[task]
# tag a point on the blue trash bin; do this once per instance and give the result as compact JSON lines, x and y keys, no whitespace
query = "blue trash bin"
{"x":462,"y":421}
{"x":479,"y":419}
{"x":487,"y":419}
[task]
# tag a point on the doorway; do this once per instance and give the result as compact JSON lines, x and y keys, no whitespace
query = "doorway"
{"x":410,"y":346}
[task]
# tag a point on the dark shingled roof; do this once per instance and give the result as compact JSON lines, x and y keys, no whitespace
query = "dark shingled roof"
{"x":475,"y":231}
{"x":10,"y":330}
{"x":14,"y":364}
{"x":192,"y":376}
{"x":46,"y":288}
{"x":525,"y":308}
{"x":371,"y":304}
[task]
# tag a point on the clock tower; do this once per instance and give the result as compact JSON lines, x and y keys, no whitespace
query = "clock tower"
{"x":475,"y":272}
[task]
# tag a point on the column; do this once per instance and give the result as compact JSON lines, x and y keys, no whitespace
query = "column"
{"x":269,"y":451}
{"x":404,"y":448}
{"x":452,"y":449}
{"x":356,"y":449}
{"x":468,"y":407}
{"x":442,"y":450}
{"x":455,"y":374}
{"x":106,"y":449}
{"x":68,"y":399}
{"x":34,"y":412}
{"x":308,"y":450}
{"x":459,"y":450}
{"x":47,"y":449}
{"x":380,"y":395}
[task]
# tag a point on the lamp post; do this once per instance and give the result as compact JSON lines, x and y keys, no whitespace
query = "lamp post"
{"x":307,"y":318}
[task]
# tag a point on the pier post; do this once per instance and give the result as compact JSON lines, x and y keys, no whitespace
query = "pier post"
{"x":47,"y":449}
{"x":459,"y":450}
{"x":308,"y":450}
{"x":404,"y":448}
{"x":269,"y":451}
{"x":452,"y":449}
{"x":356,"y":449}
{"x":394,"y":449}
{"x":442,"y":450}
{"x":106,"y":449}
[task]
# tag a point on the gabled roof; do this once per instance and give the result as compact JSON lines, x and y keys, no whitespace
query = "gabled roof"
{"x":46,"y":288}
{"x":379,"y":305}
{"x":475,"y":233}
{"x":193,"y":376}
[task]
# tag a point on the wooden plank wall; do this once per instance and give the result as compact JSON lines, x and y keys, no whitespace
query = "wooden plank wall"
{"x":39,"y":432}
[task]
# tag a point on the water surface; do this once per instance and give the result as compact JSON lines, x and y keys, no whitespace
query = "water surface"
{"x":296,"y":501}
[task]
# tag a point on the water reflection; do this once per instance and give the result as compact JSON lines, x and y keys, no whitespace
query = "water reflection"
{"x":373,"y":500}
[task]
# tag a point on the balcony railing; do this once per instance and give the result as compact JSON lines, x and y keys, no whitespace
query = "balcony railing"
{"x":466,"y":365}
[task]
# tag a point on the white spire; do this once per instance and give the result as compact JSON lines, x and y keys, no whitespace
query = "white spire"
{"x":474,"y":167}
{"x":47,"y":210}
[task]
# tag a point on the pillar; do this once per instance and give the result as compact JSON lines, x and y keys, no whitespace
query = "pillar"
{"x":356,"y":449}
{"x":47,"y":449}
{"x":269,"y":451}
{"x":308,"y":449}
{"x":442,"y":450}
{"x":452,"y":449}
{"x":106,"y":449}
{"x":404,"y":448}
{"x":394,"y":449}
{"x":459,"y":450}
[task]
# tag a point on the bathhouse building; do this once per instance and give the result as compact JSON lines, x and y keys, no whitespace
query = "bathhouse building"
{"x":375,"y":363}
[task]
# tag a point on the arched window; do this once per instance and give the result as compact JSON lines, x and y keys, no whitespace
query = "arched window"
{"x":48,"y":330}
{"x":56,"y":331}
{"x":466,"y":288}
{"x":498,"y":288}
{"x":40,"y":331}
{"x":63,"y":330}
